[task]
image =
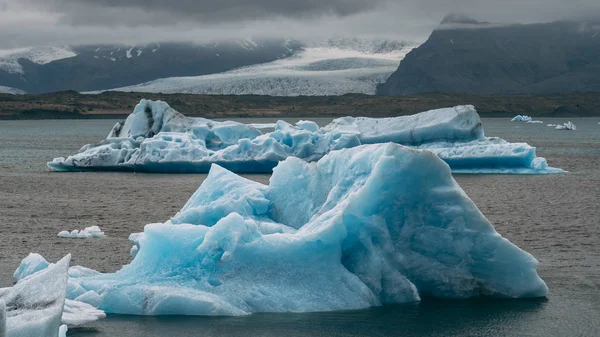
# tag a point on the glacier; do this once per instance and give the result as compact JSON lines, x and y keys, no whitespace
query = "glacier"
{"x":34,"y":306}
{"x":362,"y":227}
{"x":330,"y":67}
{"x":157,"y":138}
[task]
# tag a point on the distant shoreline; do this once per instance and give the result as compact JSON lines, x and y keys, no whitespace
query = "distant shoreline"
{"x":117,"y":105}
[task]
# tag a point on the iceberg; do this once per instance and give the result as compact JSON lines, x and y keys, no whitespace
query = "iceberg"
{"x":521,"y":118}
{"x":535,"y":122}
{"x":30,"y":265}
{"x":33,"y":307}
{"x":566,"y":126}
{"x":156,"y":138}
{"x":88,"y":232}
{"x":74,"y":313}
{"x":362,"y":227}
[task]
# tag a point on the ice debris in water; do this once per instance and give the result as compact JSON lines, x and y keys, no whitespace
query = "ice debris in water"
{"x":566,"y":126}
{"x":156,"y":138}
{"x":361,"y":227}
{"x":88,"y":232}
{"x":521,"y":118}
{"x":33,"y":307}
{"x":535,"y":122}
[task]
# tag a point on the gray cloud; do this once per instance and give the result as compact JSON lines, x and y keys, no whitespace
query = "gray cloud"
{"x":34,"y":22}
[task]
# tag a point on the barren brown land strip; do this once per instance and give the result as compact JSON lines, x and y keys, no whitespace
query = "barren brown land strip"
{"x":70,"y":104}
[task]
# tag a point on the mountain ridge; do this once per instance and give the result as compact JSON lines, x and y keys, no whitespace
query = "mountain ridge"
{"x":485,"y":58}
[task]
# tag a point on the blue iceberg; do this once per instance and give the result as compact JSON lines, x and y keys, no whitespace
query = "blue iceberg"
{"x":521,"y":118}
{"x":156,"y":138}
{"x":361,"y":227}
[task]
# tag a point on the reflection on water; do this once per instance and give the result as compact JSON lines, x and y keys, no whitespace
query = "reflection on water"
{"x":428,"y":318}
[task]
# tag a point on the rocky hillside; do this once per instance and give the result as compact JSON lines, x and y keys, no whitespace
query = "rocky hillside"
{"x":467,"y":56}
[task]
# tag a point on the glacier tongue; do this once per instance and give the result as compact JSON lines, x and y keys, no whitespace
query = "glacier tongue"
{"x":361,"y":227}
{"x":156,"y":138}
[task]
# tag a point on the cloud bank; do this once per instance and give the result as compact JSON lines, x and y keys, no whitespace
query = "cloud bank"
{"x":59,"y":22}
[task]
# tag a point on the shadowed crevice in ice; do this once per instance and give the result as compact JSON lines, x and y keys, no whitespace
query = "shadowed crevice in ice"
{"x":361,"y":227}
{"x":156,"y":138}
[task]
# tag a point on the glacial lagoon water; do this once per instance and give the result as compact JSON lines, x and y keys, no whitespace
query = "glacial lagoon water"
{"x":555,"y":217}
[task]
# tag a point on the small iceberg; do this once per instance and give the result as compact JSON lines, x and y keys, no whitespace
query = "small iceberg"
{"x":88,"y":232}
{"x":74,"y":313}
{"x":521,"y":118}
{"x":34,"y":306}
{"x":361,"y":227}
{"x":535,"y":122}
{"x":566,"y":126}
{"x":156,"y":138}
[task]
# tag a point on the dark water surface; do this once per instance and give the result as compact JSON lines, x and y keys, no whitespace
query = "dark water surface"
{"x":556,"y":218}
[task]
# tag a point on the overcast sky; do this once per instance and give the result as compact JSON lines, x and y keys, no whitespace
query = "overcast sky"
{"x":59,"y":22}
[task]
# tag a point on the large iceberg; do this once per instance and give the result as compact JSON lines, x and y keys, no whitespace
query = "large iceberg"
{"x":33,"y":307}
{"x":361,"y":227}
{"x":156,"y":138}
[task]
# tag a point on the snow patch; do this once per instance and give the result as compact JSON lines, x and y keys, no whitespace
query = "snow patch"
{"x":9,"y":58}
{"x":12,"y":91}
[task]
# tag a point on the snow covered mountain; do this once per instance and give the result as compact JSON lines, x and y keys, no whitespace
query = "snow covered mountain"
{"x":332,"y":67}
{"x":9,"y":59}
{"x":84,"y":68}
{"x":9,"y":90}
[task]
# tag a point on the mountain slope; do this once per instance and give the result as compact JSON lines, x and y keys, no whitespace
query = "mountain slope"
{"x":471,"y":57}
{"x":9,"y":90}
{"x":332,"y":67}
{"x":103,"y":67}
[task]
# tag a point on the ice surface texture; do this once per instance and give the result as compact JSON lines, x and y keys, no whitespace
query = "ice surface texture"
{"x":33,"y":307}
{"x":156,"y":138}
{"x":361,"y":227}
{"x":88,"y":232}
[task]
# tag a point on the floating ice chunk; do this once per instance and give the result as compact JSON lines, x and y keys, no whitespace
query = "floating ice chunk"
{"x":535,"y":122}
{"x":88,"y":232}
{"x":34,"y":306}
{"x":30,"y":265}
{"x":361,"y":227}
{"x":62,"y":331}
{"x":262,"y":125}
{"x":156,"y":138}
{"x":74,"y":313}
{"x":566,"y":126}
{"x":521,"y":118}
{"x":78,"y":313}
